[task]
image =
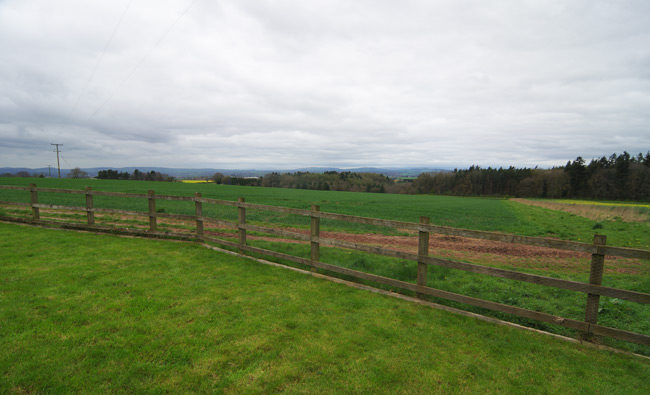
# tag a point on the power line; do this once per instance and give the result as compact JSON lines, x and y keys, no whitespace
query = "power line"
{"x":142,"y":60}
{"x":57,"y":157}
{"x":66,"y":162}
{"x":92,"y":74}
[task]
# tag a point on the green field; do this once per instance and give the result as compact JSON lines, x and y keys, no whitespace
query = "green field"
{"x":616,"y":313}
{"x":470,"y":213}
{"x":97,"y":313}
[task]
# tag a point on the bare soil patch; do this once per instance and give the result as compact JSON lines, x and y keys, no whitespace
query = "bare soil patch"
{"x":485,"y":252}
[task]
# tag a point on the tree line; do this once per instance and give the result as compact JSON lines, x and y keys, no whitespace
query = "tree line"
{"x":617,"y":177}
{"x":103,"y":174}
{"x":23,"y":173}
{"x":327,"y":181}
{"x":137,"y":175}
{"x":74,"y":173}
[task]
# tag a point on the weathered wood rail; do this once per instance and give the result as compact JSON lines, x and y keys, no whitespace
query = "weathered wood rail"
{"x":598,"y":249}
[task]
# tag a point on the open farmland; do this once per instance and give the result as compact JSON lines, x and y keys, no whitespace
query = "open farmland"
{"x":625,"y":212}
{"x":470,"y":213}
{"x":99,"y":313}
{"x":620,"y":273}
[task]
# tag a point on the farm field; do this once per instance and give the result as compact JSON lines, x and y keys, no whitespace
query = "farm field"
{"x":98,"y":313}
{"x":499,"y":215}
{"x":472,"y":213}
{"x":197,"y":181}
{"x":604,"y":203}
{"x":622,"y":211}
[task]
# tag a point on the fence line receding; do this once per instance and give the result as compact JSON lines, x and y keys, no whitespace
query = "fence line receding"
{"x":598,"y":249}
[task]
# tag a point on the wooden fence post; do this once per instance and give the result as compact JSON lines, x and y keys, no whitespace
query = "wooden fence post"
{"x":33,"y":197}
{"x":315,"y":233}
{"x":199,"y":214}
{"x":595,"y":278}
{"x":152,"y":211}
{"x":242,"y":221}
{"x":423,"y":251}
{"x":90,"y":215}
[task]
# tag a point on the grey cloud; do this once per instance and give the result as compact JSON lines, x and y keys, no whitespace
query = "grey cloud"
{"x":287,"y":83}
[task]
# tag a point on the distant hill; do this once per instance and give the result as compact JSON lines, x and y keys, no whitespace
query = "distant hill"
{"x":393,"y":172}
{"x":43,"y":170}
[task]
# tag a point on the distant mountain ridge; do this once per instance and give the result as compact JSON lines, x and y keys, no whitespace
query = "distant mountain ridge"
{"x":393,"y":172}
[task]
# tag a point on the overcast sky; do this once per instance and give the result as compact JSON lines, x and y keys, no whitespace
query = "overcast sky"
{"x":285,"y":84}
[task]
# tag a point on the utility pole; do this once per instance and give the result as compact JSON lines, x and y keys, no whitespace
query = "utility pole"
{"x":57,"y":158}
{"x":49,"y":170}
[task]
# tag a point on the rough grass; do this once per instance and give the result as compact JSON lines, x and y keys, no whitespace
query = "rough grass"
{"x":96,"y":313}
{"x":539,"y":221}
{"x":595,"y":211}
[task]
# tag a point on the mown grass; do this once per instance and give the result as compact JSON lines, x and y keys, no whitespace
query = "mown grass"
{"x":471,"y":213}
{"x":616,"y":313}
{"x":96,"y":313}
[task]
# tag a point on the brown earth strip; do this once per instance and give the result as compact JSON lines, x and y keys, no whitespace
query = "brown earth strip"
{"x":492,"y":253}
{"x":478,"y":251}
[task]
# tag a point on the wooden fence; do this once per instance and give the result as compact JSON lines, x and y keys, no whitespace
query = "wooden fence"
{"x":598,"y":250}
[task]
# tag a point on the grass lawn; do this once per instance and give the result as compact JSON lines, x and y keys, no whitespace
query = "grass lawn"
{"x":98,"y":313}
{"x":613,"y":312}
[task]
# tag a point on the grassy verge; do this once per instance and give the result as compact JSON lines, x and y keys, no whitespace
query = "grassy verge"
{"x":97,"y":313}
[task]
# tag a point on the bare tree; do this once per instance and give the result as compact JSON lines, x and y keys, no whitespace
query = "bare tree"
{"x":77,"y":173}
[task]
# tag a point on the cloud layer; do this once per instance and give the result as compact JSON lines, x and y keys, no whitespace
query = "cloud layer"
{"x":282,"y":84}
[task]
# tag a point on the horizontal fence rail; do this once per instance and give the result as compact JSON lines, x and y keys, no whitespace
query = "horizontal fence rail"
{"x":598,"y":250}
